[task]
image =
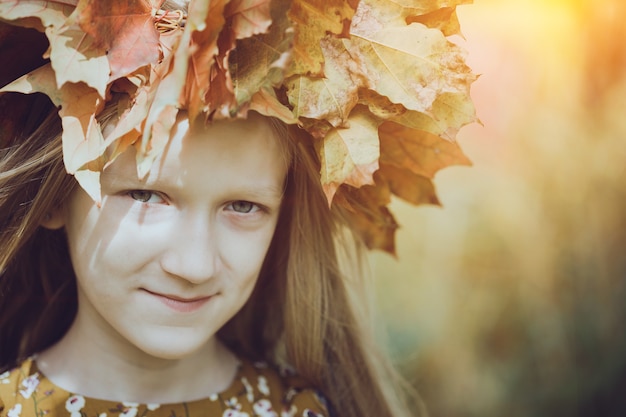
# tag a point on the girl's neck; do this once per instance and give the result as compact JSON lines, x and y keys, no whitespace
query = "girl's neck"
{"x":81,"y":365}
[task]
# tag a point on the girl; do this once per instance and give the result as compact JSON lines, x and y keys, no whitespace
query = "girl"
{"x":167,"y":246}
{"x":123,"y":302}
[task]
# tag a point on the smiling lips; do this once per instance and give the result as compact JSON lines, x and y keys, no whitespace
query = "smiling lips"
{"x":182,"y":305}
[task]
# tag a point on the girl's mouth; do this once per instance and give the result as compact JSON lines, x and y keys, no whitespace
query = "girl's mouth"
{"x":179,"y":303}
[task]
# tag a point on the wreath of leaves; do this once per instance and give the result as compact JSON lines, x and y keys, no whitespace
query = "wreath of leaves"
{"x":377,"y":84}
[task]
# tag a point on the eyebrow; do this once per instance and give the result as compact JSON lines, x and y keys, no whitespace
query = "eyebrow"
{"x":259,"y":191}
{"x":250,"y":191}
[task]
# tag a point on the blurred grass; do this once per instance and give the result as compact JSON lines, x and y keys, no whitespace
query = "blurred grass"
{"x":511,"y":299}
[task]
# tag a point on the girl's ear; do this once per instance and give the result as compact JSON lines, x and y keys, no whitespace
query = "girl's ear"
{"x":54,"y":219}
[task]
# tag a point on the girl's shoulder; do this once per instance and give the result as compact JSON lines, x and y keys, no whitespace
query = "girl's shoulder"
{"x":259,"y":390}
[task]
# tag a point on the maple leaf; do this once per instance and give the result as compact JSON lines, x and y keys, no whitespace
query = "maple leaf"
{"x":382,"y":13}
{"x":376,"y":226}
{"x":314,"y":19}
{"x":166,"y":91}
{"x":160,"y":135}
{"x":444,"y":19}
{"x":82,"y":138}
{"x":368,"y":215}
{"x":417,"y":151}
{"x":78,"y":105}
{"x":36,"y":14}
{"x":415,"y":64}
{"x":449,"y":113}
{"x":413,"y":188}
{"x":248,"y":17}
{"x":205,"y":82}
{"x":127,"y":129}
{"x":124,"y":29}
{"x":349,"y":155}
{"x":76,"y":58}
{"x":71,"y":53}
{"x":333,"y":96}
{"x":266,"y":103}
{"x":258,"y":64}
{"x":163,"y":94}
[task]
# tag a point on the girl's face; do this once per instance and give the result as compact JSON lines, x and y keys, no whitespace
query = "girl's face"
{"x":168,"y":260}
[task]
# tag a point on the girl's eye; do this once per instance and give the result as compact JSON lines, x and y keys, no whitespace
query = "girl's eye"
{"x":243,"y":207}
{"x":145,"y":196}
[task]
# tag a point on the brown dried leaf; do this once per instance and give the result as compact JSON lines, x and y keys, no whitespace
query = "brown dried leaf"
{"x":369,"y":216}
{"x":416,"y":189}
{"x":417,"y":151}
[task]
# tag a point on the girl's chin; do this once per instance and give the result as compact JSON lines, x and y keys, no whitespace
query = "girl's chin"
{"x":173,"y":345}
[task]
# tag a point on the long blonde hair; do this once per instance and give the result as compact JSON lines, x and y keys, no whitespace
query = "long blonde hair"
{"x":301,"y":306}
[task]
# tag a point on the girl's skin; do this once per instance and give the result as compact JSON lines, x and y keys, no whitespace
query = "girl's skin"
{"x":165,"y":262}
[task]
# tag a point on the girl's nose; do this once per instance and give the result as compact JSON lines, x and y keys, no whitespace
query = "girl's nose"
{"x":191,"y":252}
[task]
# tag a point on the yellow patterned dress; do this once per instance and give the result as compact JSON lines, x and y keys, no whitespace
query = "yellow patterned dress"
{"x":257,"y":391}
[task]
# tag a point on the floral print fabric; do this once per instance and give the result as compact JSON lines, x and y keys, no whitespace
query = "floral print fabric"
{"x":257,"y":391}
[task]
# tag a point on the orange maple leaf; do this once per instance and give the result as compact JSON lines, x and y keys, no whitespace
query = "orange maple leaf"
{"x":125,"y":29}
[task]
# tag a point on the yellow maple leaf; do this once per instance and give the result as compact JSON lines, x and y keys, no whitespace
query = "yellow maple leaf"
{"x":333,"y":96}
{"x":349,"y":155}
{"x":431,"y":13}
{"x":414,"y":64}
{"x":314,"y":19}
{"x":449,"y":113}
{"x":444,"y":19}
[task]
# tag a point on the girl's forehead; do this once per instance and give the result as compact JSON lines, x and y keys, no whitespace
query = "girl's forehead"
{"x":246,"y":148}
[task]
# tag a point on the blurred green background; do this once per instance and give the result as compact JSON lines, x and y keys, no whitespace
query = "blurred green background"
{"x":511,"y":298}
